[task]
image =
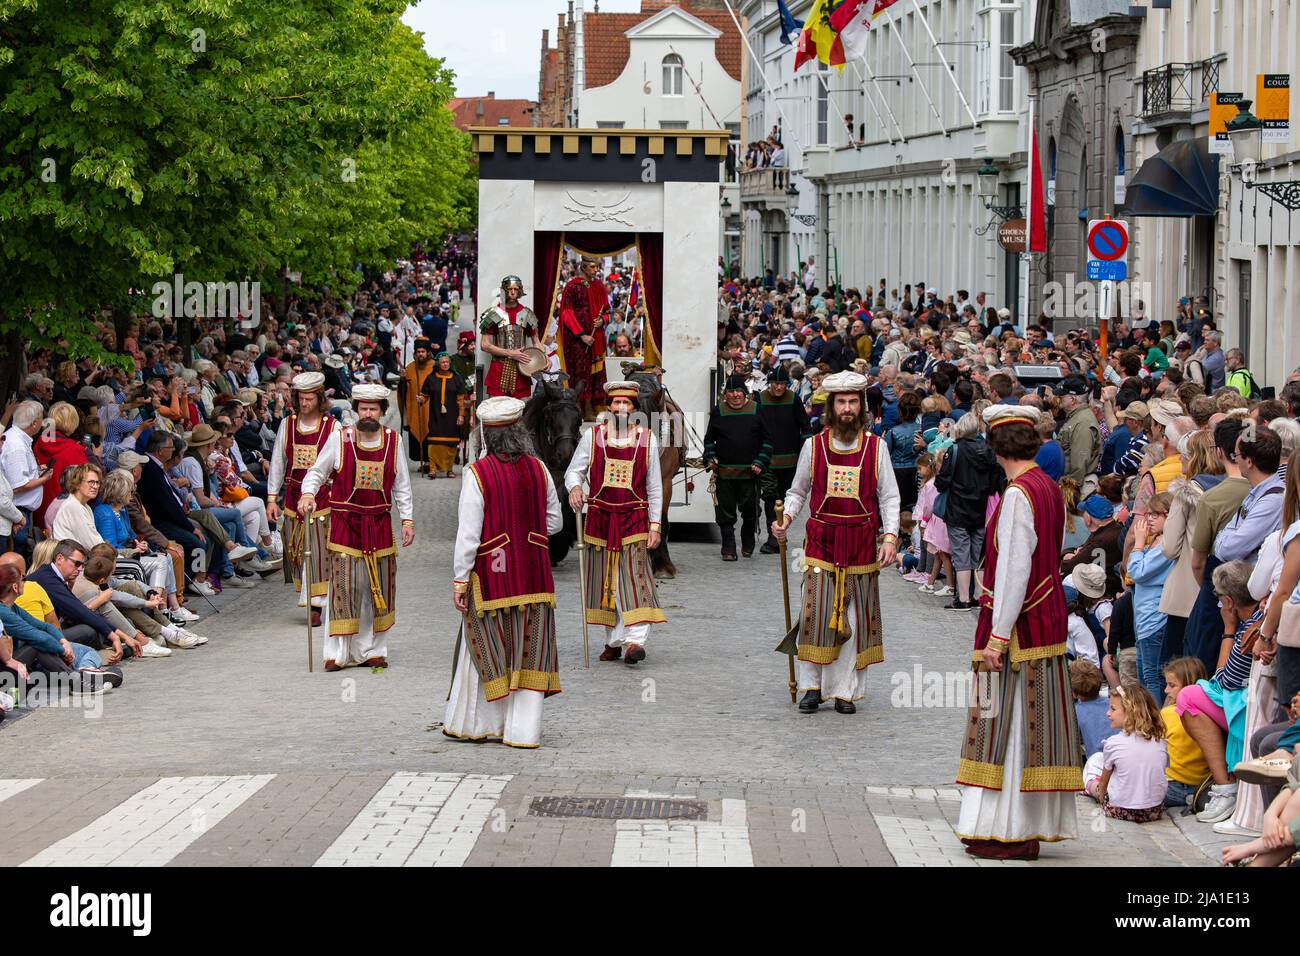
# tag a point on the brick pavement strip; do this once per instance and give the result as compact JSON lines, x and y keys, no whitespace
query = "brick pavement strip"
{"x":707,"y":715}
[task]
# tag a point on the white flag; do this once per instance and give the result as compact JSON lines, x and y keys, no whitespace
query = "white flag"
{"x":855,"y":33}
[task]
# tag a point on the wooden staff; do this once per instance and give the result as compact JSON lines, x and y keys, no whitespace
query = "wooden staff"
{"x":582,"y":591}
{"x":306,"y":582}
{"x":785,"y":593}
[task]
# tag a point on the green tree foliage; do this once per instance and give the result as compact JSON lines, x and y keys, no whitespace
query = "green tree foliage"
{"x":220,"y":139}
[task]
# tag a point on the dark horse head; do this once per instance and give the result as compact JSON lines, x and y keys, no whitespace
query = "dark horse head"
{"x":554,"y":421}
{"x":650,"y":384}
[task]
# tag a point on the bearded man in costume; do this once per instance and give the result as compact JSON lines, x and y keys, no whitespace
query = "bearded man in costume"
{"x":846,"y":479}
{"x":615,"y":472}
{"x":417,"y":412}
{"x":363,"y":467}
{"x":298,"y":442}
{"x":507,"y":660}
{"x":584,"y":312}
{"x":506,"y":330}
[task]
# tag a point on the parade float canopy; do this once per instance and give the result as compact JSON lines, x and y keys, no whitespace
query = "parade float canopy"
{"x":602,"y":192}
{"x":1180,"y":181}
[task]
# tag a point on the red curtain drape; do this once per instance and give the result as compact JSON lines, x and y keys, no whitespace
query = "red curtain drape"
{"x":650,"y":249}
{"x":548,"y":249}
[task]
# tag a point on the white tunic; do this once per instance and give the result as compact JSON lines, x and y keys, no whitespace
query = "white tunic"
{"x":327,"y":461}
{"x":886,"y":485}
{"x":576,"y":474}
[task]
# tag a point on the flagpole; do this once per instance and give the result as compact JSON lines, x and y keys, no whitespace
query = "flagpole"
{"x":884,"y":99}
{"x":946,"y":68}
{"x":915,"y":72}
{"x":874,"y":107}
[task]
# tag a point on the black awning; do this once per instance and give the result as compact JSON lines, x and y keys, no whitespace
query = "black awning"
{"x":1179,"y":181}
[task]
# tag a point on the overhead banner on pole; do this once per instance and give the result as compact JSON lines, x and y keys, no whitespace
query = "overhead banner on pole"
{"x":1273,"y":106}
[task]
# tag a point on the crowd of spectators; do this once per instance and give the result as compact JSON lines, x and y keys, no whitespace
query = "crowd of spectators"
{"x":132,"y":492}
{"x":1180,"y":477}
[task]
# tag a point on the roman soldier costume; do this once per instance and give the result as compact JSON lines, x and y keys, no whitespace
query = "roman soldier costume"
{"x":584,"y":310}
{"x":737,"y":448}
{"x":507,"y":659}
{"x":852,"y":501}
{"x":785,"y":422}
{"x":617,"y":466}
{"x":366,"y":478}
{"x":1020,"y":753}
{"x":511,"y":327}
{"x":297,"y":445}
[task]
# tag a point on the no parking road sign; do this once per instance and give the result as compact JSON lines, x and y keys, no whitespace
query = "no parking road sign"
{"x":1107,"y":250}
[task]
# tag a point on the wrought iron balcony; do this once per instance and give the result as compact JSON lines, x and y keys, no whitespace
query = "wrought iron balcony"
{"x":1179,"y":87}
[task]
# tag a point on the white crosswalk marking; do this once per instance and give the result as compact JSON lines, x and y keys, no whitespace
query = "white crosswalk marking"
{"x":155,"y":825}
{"x":419,"y":819}
{"x":686,"y":843}
{"x":11,"y":788}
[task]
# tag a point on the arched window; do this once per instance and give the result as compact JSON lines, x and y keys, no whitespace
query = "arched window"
{"x":672,"y":75}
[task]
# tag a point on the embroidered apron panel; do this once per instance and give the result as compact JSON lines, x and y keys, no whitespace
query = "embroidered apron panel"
{"x":618,"y":473}
{"x":304,"y":456}
{"x":370,"y":475}
{"x":842,"y":481}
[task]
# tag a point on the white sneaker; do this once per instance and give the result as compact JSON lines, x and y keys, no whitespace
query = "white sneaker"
{"x":1223,"y":801}
{"x":926,"y":588}
{"x":1229,"y":828}
{"x":182,"y":640}
{"x":276,"y":547}
{"x":256,"y":564}
{"x":198,"y":638}
{"x":155,"y":650}
{"x":235,"y":581}
{"x":943,"y":591}
{"x":201,"y":588}
{"x":183,"y":616}
{"x":240,"y":552}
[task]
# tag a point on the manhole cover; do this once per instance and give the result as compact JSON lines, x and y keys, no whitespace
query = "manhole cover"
{"x":618,"y":808}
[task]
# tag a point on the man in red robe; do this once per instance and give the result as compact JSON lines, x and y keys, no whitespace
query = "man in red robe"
{"x":584,"y":310}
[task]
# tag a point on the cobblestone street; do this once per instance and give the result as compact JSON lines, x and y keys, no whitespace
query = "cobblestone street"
{"x":232,"y":754}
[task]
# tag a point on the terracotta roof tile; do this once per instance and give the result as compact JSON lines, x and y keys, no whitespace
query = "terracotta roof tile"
{"x":465,"y":110}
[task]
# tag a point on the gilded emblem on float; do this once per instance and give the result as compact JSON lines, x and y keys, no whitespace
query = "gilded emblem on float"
{"x":842,"y":481}
{"x":370,"y":475}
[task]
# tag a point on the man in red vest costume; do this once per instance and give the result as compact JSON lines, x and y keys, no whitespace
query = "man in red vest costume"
{"x":846,"y":478}
{"x":584,"y":310}
{"x":615,"y":471}
{"x":507,"y":329}
{"x":1020,"y":753}
{"x":367,"y":474}
{"x":507,"y":661}
{"x":297,"y":446}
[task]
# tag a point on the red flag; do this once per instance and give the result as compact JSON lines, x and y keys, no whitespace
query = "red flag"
{"x":804,"y":50}
{"x":837,"y":52}
{"x":1037,"y":204}
{"x":843,"y":14}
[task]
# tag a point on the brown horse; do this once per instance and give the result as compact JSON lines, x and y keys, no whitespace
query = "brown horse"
{"x":670,"y":426}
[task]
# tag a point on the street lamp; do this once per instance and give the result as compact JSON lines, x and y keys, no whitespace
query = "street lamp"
{"x":792,"y":196}
{"x":1247,"y":135}
{"x":987,"y":189}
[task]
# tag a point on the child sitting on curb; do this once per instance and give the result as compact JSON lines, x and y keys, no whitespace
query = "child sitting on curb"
{"x":1128,"y":776}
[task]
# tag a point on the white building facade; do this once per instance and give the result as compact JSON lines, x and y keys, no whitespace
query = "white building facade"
{"x":1245,"y":258}
{"x":896,"y":196}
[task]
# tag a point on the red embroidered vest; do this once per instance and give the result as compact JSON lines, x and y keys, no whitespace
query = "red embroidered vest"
{"x":844,"y":517}
{"x":617,"y":480}
{"x":1041,"y":625}
{"x":362,"y":494}
{"x":513,"y":566}
{"x":300,"y":452}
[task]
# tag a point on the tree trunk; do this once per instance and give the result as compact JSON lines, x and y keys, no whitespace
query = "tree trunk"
{"x":121,"y":325}
{"x":185,"y":335}
{"x":13,"y":364}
